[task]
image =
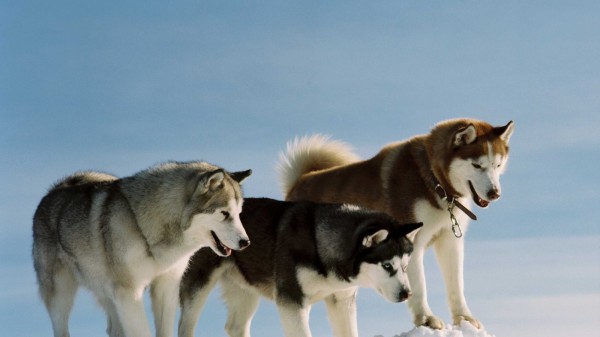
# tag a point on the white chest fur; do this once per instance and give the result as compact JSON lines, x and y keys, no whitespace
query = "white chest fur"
{"x":316,"y":287}
{"x":436,"y":221}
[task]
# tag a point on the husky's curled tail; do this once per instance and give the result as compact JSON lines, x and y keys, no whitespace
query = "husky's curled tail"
{"x":309,"y":154}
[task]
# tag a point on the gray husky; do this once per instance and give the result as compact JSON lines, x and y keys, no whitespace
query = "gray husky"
{"x":117,"y":236}
{"x":301,"y":253}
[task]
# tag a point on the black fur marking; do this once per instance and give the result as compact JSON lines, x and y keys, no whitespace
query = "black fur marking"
{"x":241,"y":175}
{"x":202,"y":264}
{"x":104,"y":229}
{"x":72,"y":200}
{"x":114,"y":192}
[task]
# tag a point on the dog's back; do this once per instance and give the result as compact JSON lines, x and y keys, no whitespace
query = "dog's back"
{"x":68,"y":199}
{"x":359,"y":182}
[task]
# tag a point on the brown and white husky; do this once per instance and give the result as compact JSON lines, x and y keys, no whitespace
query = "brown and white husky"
{"x":421,"y":179}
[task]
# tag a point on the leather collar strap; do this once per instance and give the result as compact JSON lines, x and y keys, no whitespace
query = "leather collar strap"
{"x":441,"y":192}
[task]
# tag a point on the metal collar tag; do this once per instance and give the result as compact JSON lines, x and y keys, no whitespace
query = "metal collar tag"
{"x":451,"y":203}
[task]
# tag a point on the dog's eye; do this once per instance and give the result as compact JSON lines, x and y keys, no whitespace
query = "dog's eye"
{"x":225,"y":214}
{"x":475,"y":165}
{"x":387,"y":267}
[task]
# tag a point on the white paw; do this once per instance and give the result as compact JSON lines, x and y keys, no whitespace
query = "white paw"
{"x":429,"y":321}
{"x":472,"y":320}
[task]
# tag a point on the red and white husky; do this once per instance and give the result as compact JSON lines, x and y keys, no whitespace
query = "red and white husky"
{"x":421,"y":179}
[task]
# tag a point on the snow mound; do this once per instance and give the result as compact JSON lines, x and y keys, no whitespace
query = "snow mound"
{"x":465,"y":329}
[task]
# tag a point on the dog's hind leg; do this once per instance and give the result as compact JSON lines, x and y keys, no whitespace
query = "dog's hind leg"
{"x":341,"y":307}
{"x":241,"y":307}
{"x":58,"y":291}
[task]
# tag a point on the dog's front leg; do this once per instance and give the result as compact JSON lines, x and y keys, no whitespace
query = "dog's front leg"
{"x":193,"y":295}
{"x":450,"y":254}
{"x":130,"y":309}
{"x":422,"y":314}
{"x":164,"y":292}
{"x":114,"y":328}
{"x":341,"y":307}
{"x":294,"y":319}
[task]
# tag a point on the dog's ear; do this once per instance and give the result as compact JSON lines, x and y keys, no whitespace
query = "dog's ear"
{"x":210,"y":181}
{"x":465,"y":136}
{"x":504,"y":132}
{"x":406,"y":229}
{"x":240,"y":176}
{"x":375,"y":238}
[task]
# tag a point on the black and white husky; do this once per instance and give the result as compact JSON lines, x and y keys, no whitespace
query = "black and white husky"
{"x":301,"y":253}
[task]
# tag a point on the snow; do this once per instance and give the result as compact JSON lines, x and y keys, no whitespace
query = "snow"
{"x":465,"y":329}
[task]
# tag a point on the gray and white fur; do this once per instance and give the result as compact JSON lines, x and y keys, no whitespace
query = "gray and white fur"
{"x":118,"y":236}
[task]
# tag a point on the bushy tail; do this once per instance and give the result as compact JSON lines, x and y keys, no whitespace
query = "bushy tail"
{"x":311,"y":153}
{"x":84,"y":177}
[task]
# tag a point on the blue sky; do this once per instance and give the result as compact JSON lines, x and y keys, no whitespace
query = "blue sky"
{"x":120,"y":86}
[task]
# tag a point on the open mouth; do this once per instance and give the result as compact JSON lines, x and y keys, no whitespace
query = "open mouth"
{"x":476,"y":198}
{"x":224,"y":250}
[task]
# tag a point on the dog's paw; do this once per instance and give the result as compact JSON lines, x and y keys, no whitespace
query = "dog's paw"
{"x":472,"y":320}
{"x":429,"y":321}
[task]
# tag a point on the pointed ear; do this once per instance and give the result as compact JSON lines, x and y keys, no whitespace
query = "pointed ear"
{"x":375,"y":238}
{"x":504,"y":132}
{"x":240,"y":176}
{"x":465,"y":135}
{"x":408,"y":228}
{"x":211,"y":181}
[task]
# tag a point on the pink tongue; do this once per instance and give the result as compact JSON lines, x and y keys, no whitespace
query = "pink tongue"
{"x":227,"y":251}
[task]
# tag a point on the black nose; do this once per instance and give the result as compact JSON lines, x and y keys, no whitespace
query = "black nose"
{"x":404,"y":295}
{"x":244,"y":243}
{"x":493,"y":194}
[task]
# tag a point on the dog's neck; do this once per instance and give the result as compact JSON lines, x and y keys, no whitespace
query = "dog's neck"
{"x":437,"y":184}
{"x":432,"y":176}
{"x":450,"y":199}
